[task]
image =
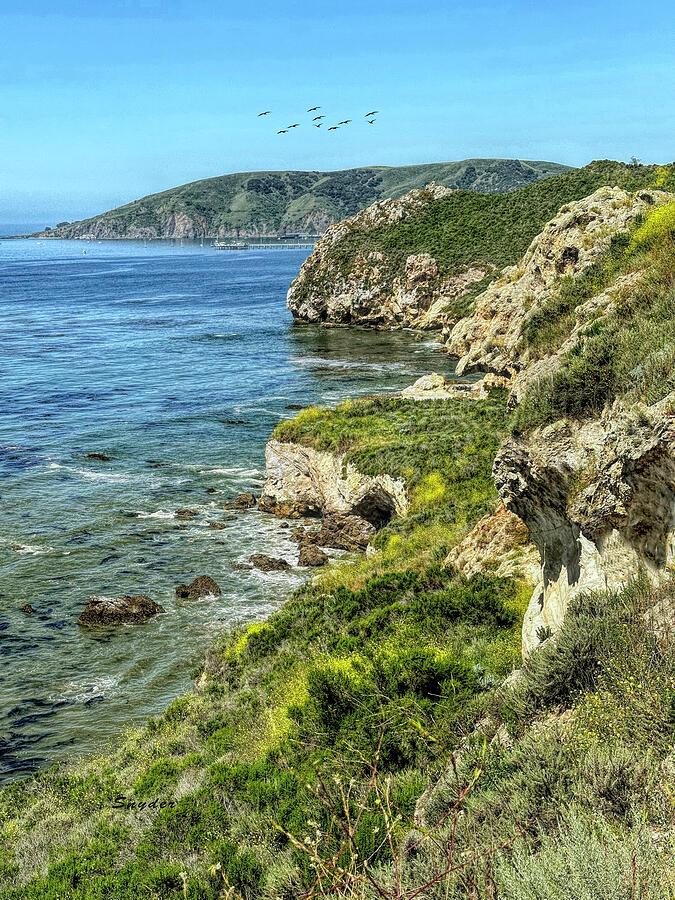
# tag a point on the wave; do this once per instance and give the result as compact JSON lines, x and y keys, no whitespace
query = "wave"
{"x":31,"y":549}
{"x":84,"y":691}
{"x":159,"y":514}
{"x":205,"y":338}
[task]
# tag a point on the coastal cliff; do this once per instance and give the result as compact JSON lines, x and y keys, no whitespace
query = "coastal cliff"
{"x":365,"y":293}
{"x":590,"y":467}
{"x":420,"y":261}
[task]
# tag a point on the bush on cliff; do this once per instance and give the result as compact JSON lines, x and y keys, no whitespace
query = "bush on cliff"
{"x":628,"y":353}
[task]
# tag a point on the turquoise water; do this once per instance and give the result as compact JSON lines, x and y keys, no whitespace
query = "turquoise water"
{"x":176,"y":362}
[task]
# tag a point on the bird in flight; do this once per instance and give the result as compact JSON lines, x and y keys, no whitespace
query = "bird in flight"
{"x":266,"y":113}
{"x":283,"y":131}
{"x":373,"y":112}
{"x":344,"y":122}
{"x":317,"y":124}
{"x":313,"y":108}
{"x":297,"y":125}
{"x":333,"y":127}
{"x":316,"y":118}
{"x":371,"y":121}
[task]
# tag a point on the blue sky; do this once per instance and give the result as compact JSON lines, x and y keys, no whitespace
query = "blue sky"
{"x":103,"y":102}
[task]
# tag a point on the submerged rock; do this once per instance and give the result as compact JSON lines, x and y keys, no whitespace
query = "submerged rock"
{"x":243,"y":501}
{"x":217,"y":525}
{"x":119,"y":610}
{"x":185,"y":514}
{"x":268,"y":563}
{"x":202,"y":586}
{"x":99,"y":456}
{"x":311,"y":555}
{"x":28,"y":609}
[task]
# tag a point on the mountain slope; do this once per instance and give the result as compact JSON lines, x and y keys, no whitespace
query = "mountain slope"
{"x":250,"y":204}
{"x":420,"y":261}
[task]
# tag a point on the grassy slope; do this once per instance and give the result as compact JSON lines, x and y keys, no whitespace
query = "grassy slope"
{"x":273,"y":199}
{"x":395,"y":652}
{"x":490,"y":228}
{"x":395,"y":638}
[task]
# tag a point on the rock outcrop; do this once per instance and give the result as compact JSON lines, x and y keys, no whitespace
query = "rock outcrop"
{"x":367,"y":294}
{"x":301,"y":481}
{"x":268,"y":563}
{"x":435,"y":387}
{"x":123,"y":610}
{"x":500,"y":544}
{"x":489,"y":340}
{"x":598,"y":499}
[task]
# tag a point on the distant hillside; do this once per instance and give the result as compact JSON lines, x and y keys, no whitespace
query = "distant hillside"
{"x":253,"y":204}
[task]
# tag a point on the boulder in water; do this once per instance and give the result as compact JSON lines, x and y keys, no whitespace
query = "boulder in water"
{"x":268,"y":563}
{"x":200,"y":587}
{"x":119,"y":610}
{"x":243,"y":501}
{"x":311,"y":555}
{"x":185,"y":513}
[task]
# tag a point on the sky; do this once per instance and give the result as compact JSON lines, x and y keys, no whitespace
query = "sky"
{"x":103,"y":102}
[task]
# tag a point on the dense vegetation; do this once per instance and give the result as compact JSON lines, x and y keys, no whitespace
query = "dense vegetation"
{"x":256,"y":203}
{"x":629,"y":352}
{"x":493,"y":229}
{"x":360,"y":736}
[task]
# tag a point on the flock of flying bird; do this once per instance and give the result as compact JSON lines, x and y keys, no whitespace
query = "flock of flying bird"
{"x":317,"y":123}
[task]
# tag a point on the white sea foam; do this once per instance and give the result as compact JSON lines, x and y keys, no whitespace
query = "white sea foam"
{"x":313,"y":362}
{"x":30,"y":549}
{"x":159,"y":514}
{"x":82,"y":689}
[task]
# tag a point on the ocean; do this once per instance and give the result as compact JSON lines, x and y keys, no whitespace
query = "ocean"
{"x":176,"y":361}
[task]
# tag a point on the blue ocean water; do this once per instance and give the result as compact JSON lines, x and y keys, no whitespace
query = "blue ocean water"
{"x":176,"y":362}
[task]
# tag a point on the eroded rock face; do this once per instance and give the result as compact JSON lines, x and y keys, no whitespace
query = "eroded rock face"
{"x":301,"y":481}
{"x":490,"y":339}
{"x":123,"y":610}
{"x":598,"y":499}
{"x":366,"y":294}
{"x":500,"y":544}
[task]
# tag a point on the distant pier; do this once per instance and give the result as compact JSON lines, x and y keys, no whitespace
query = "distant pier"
{"x":299,"y":242}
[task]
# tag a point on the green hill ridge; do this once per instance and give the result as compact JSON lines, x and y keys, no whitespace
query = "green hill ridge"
{"x":253,"y":204}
